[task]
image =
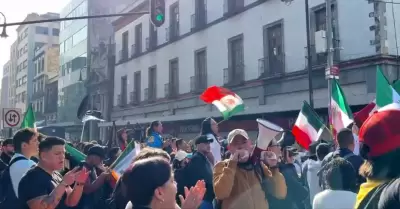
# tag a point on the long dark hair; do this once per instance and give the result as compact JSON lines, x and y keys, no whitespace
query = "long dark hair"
{"x":206,"y":127}
{"x":157,"y":171}
{"x":150,"y":129}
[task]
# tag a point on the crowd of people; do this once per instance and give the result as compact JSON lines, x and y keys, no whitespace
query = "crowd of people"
{"x":208,"y":172}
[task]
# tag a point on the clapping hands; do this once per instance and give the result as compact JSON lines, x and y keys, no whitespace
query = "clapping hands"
{"x":193,"y":196}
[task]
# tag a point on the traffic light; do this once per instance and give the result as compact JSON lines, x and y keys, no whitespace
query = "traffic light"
{"x":157,"y":12}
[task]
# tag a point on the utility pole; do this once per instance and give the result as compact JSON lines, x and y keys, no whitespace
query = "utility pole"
{"x":330,"y":51}
{"x":309,"y":58}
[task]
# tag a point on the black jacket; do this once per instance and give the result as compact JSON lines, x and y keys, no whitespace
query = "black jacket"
{"x":199,"y":168}
{"x":296,"y":191}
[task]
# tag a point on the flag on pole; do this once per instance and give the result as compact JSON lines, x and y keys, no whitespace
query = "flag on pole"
{"x":75,"y":154}
{"x":364,"y":113}
{"x":124,"y":160}
{"x":385,"y":93}
{"x":341,"y":115}
{"x":227,"y":102}
{"x":29,"y":118}
{"x":308,"y":126}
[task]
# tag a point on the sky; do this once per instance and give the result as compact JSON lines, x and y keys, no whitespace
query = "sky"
{"x":16,"y":11}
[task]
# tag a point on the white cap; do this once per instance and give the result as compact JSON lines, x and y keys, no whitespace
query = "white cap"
{"x":235,"y":133}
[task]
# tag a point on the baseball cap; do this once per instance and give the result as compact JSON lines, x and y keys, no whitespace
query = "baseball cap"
{"x":237,"y":132}
{"x":380,"y":132}
{"x":97,"y":150}
{"x":181,"y":155}
{"x":203,"y":139}
{"x":7,"y":142}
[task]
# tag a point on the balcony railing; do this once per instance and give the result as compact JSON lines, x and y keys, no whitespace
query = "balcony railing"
{"x":193,"y":84}
{"x":147,"y":43}
{"x":172,"y":32}
{"x":166,"y":90}
{"x":152,"y":93}
{"x":198,"y":20}
{"x":133,"y":98}
{"x":133,"y":50}
{"x":234,"y":75}
{"x":120,"y":57}
{"x":146,"y":94}
{"x":266,"y":69}
{"x":123,"y":55}
{"x":119,"y":100}
{"x":232,"y":7}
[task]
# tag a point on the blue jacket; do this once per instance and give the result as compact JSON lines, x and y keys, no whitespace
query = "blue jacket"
{"x":155,"y":140}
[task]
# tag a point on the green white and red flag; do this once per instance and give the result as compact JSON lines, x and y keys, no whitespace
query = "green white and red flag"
{"x":226,"y":101}
{"x":308,"y":126}
{"x":385,"y":93}
{"x":340,"y":113}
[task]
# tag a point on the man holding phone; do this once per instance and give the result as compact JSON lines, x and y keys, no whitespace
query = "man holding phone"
{"x":297,"y":193}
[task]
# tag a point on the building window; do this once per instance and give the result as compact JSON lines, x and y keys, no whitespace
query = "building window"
{"x":124,"y":90}
{"x":151,"y":42}
{"x":152,"y":96}
{"x":25,"y":64}
{"x":320,"y":24}
{"x":137,"y":89}
{"x":42,"y":30}
{"x":200,"y":70}
{"x":234,"y":74}
{"x":138,"y":39}
{"x":79,"y":36}
{"x":56,"y":32}
{"x":199,"y":18}
{"x":174,"y":21}
{"x":125,"y":46}
{"x":173,"y":87}
{"x":68,"y":44}
{"x":273,"y":50}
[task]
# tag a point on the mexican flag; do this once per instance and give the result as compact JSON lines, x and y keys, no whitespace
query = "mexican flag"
{"x":341,"y":115}
{"x":29,"y":118}
{"x":385,"y":93}
{"x":124,"y":160}
{"x":227,"y":102}
{"x":308,"y":127}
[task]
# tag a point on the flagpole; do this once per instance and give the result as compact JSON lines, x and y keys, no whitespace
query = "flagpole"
{"x":330,"y":50}
{"x":83,"y":130}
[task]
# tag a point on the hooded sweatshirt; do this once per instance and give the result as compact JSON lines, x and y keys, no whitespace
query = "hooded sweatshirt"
{"x":312,"y":167}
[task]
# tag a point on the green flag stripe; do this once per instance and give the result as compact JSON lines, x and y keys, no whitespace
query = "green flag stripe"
{"x":312,"y":117}
{"x":384,"y":92}
{"x":338,"y":96}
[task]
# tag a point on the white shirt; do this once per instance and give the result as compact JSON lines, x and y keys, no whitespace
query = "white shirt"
{"x":215,"y":149}
{"x":334,"y":199}
{"x":18,"y":169}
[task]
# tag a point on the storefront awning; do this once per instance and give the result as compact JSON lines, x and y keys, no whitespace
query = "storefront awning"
{"x":200,"y":115}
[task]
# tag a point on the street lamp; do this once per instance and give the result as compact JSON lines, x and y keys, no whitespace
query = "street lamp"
{"x":4,"y":32}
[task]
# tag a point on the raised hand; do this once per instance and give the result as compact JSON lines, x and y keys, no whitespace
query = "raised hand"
{"x":193,"y":196}
{"x":69,"y":178}
{"x":81,"y":176}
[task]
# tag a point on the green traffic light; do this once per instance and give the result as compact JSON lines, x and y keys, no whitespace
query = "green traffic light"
{"x":159,"y":17}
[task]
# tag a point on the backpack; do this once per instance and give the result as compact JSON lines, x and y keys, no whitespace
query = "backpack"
{"x":371,"y":200}
{"x":8,"y":198}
